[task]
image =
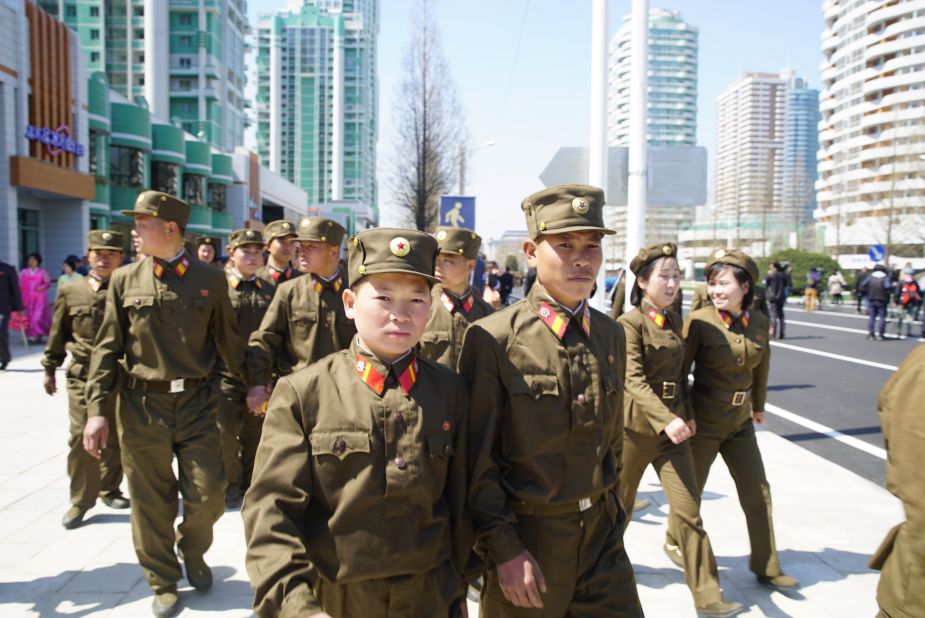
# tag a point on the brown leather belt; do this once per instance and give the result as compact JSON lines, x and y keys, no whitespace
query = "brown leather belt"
{"x":551,"y":510}
{"x":169,"y":386}
{"x":665,"y":390}
{"x":736,"y":398}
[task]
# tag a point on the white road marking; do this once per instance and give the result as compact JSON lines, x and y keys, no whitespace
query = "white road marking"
{"x":848,"y":359}
{"x":845,"y":329}
{"x":824,"y":430}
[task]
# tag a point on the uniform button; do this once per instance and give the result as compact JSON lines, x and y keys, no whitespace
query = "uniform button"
{"x":581,"y":398}
{"x":740,"y":361}
{"x":398,"y":418}
{"x":537,"y":387}
{"x":738,"y":341}
{"x":400,"y":463}
{"x":340,"y":445}
{"x":446,"y":449}
{"x":137,"y":301}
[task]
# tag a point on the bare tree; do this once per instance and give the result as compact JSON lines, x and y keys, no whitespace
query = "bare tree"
{"x":429,"y":126}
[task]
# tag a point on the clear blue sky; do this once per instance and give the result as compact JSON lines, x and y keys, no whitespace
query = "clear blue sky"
{"x":533,"y":98}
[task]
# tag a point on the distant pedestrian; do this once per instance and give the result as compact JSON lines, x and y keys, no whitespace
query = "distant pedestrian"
{"x":811,"y":289}
{"x":529,"y":280}
{"x":836,"y":287}
{"x":10,"y":301}
{"x":777,"y":298}
{"x":69,"y":271}
{"x":859,"y":295}
{"x":507,"y":286}
{"x":206,"y":249}
{"x":34,"y":283}
{"x":876,"y":288}
{"x":909,"y":299}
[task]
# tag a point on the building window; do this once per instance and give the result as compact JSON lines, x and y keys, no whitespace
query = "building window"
{"x":165,"y":177}
{"x":92,"y":152}
{"x":186,"y":41}
{"x":94,"y":56}
{"x":138,"y":11}
{"x":194,"y":189}
{"x":186,"y":63}
{"x":28,"y":233}
{"x":186,"y":19}
{"x":94,"y":11}
{"x":217,"y":197}
{"x":139,"y":33}
{"x":71,"y":11}
{"x":126,"y":167}
{"x":95,"y":35}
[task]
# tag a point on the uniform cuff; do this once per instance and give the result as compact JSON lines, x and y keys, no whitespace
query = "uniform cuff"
{"x":50,"y":371}
{"x":505,"y":544}
{"x":300,"y":602}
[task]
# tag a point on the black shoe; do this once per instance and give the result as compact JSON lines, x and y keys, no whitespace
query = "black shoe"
{"x":116,"y":501}
{"x":233,"y":498}
{"x":198,"y":573}
{"x":165,"y":604}
{"x":870,"y":337}
{"x":3,"y":365}
{"x":73,"y":517}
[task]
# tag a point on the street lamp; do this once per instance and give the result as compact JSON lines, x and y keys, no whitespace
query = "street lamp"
{"x":461,"y":163}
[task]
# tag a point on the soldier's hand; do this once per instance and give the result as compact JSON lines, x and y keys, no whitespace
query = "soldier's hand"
{"x":50,"y":387}
{"x":758,"y":417}
{"x":678,"y":431}
{"x":320,"y":615}
{"x":692,"y":424}
{"x":256,"y":398}
{"x":522,"y":581}
{"x":96,"y":434}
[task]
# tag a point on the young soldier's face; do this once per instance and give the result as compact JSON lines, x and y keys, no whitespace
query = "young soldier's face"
{"x":247,"y":259}
{"x":104,"y":261}
{"x":453,"y":270}
{"x":317,"y":257}
{"x":662,"y":285}
{"x":725,"y":290}
{"x":206,"y":253}
{"x":282,"y":249}
{"x":390,"y":312}
{"x":566,"y":264}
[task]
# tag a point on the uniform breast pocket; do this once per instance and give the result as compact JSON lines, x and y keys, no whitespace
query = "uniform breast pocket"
{"x":339,"y":456}
{"x":82,"y":320}
{"x":439,"y":452}
{"x":138,"y":307}
{"x":538,"y":386}
{"x":434,"y":344}
{"x":303,"y":322}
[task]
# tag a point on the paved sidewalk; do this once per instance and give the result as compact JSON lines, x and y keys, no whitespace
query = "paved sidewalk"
{"x":828,"y":521}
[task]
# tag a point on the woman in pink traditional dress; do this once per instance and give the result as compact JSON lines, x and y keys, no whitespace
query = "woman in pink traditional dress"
{"x":34,"y":283}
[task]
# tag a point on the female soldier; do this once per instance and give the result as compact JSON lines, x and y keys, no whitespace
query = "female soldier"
{"x":729,"y":349}
{"x":659,"y":421}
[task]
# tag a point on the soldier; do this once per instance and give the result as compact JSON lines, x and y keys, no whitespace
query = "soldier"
{"x":281,"y":248}
{"x":546,"y":428}
{"x":701,"y":298}
{"x":77,"y":317}
{"x":357,"y":507}
{"x":306,"y":320}
{"x":729,"y":349}
{"x":10,"y":301}
{"x":206,"y":249}
{"x":240,"y":431}
{"x":455,"y":304}
{"x":165,"y":316}
{"x":901,"y":557}
{"x":659,"y":420}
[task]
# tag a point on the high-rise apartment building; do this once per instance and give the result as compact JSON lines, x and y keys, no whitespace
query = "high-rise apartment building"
{"x":764,"y":157}
{"x":186,"y":57}
{"x":871,"y":187}
{"x":317,"y":98}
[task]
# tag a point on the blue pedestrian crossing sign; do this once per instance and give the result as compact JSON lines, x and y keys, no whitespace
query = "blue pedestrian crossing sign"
{"x":457,"y":211}
{"x":876,"y":253}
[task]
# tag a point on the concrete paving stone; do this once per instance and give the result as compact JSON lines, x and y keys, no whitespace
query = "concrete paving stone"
{"x":119,"y":577}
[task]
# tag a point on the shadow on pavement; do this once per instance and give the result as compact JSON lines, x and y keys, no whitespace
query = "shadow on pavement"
{"x":812,"y":435}
{"x":787,"y":387}
{"x":42,"y":595}
{"x":106,"y":518}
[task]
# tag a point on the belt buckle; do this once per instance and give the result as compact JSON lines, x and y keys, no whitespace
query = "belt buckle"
{"x":668,"y":390}
{"x":176,"y":386}
{"x":584,"y":504}
{"x":738,"y":397}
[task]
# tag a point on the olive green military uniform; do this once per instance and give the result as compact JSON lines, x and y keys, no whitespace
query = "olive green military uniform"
{"x":278,"y":229}
{"x":166,"y":323}
{"x":546,"y":437}
{"x":656,"y":395}
{"x":901,"y":557}
{"x":731,"y":358}
{"x":78,"y":314}
{"x":240,"y":430}
{"x":357,"y":506}
{"x":306,"y":320}
{"x":450,"y":314}
{"x":700,"y":298}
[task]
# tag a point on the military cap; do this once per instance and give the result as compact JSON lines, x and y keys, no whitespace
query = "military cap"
{"x":244,"y":237}
{"x":650,"y":254}
{"x":319,"y":229}
{"x":278,"y":229}
{"x":384,"y":250}
{"x":161,"y":205}
{"x":206,"y":240}
{"x":105,"y":239}
{"x":734,"y":257}
{"x":565,"y":208}
{"x":459,"y":241}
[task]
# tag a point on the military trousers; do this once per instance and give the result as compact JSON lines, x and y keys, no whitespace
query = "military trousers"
{"x":240,"y":436}
{"x":739,"y":449}
{"x":433,"y":594}
{"x":674,"y":464}
{"x":583,"y":560}
{"x":90,"y":477}
{"x":155,"y":427}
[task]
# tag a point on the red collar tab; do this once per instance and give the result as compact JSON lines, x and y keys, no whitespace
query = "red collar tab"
{"x":94,"y":283}
{"x":729,"y":320}
{"x":656,"y":316}
{"x":376,"y":381}
{"x":277,"y":274}
{"x":320,"y":284}
{"x":181,"y":267}
{"x":465,"y":302}
{"x":552,"y":319}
